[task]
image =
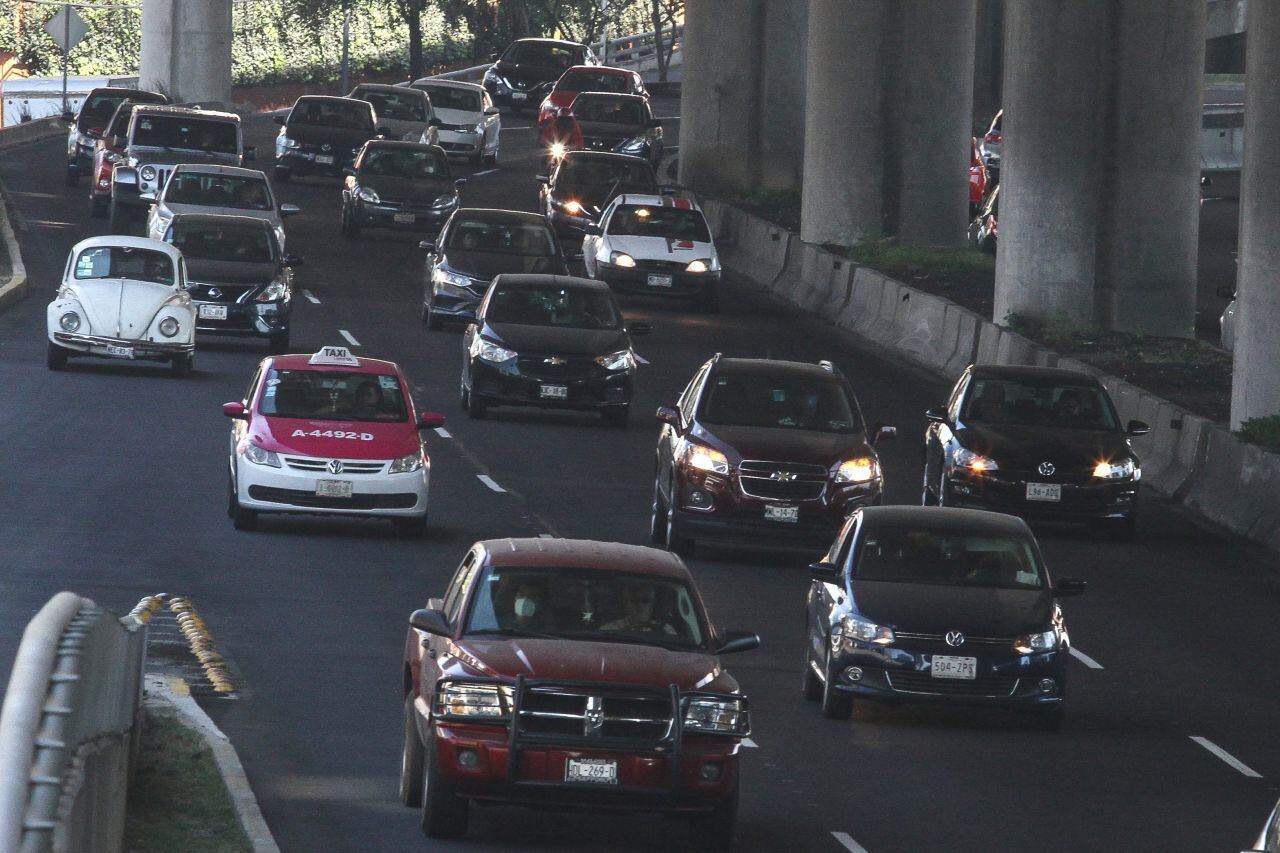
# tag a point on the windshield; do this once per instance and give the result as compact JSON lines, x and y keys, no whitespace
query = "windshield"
{"x":788,"y":402}
{"x":125,"y":262}
{"x":245,"y":244}
{"x":1030,"y":403}
{"x":587,"y":604}
{"x":330,"y":395}
{"x":413,"y":163}
{"x":543,"y":53}
{"x":408,"y":106}
{"x":189,"y":132}
{"x":554,"y":305}
{"x":591,"y":81}
{"x":672,"y":223}
{"x":588,"y":171}
{"x":608,"y":110}
{"x":449,"y":98}
{"x":948,"y":558}
{"x":213,"y":190}
{"x":332,"y":114}
{"x":504,"y":238}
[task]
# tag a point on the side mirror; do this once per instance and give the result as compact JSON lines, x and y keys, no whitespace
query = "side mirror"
{"x":431,"y":621}
{"x":435,"y":122}
{"x":68,"y":117}
{"x":738,"y":641}
{"x":824,"y":571}
{"x":937,"y":416}
{"x":430,"y":420}
{"x":460,"y":183}
{"x":427,"y":245}
{"x":234,"y":410}
{"x":491,"y":111}
{"x":93,"y":133}
{"x":636,"y":329}
{"x":1067,"y":587}
{"x":279,"y":120}
{"x":291,"y":261}
{"x":668,"y":416}
{"x":250,"y":153}
{"x":884,"y":433}
{"x":1137,"y":428}
{"x":125,"y":176}
{"x":289,"y":210}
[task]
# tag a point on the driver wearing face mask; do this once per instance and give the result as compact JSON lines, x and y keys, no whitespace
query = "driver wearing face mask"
{"x":529,"y":608}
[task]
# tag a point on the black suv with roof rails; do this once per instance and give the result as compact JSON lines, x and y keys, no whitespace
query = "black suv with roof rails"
{"x":772,"y":449}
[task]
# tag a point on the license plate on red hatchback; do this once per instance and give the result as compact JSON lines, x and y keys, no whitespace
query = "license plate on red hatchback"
{"x":594,"y":771}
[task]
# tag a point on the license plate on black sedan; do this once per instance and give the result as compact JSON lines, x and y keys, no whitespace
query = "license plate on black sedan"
{"x":324,"y":159}
{"x":594,"y":771}
{"x":403,"y":218}
{"x":554,"y":392}
{"x":1044,"y":491}
{"x":945,"y":666}
{"x":213,"y":312}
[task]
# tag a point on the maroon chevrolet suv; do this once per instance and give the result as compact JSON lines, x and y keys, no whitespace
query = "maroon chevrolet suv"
{"x":769,"y":449}
{"x":572,"y":674}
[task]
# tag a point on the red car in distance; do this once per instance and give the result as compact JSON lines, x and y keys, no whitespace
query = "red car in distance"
{"x":588,"y":78}
{"x":978,"y":177}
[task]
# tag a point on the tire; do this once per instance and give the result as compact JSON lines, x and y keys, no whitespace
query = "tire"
{"x":714,"y":830}
{"x":431,"y":318}
{"x":476,"y":407}
{"x":119,"y":220}
{"x":676,"y":540}
{"x":658,"y":516}
{"x":813,"y":687}
{"x":350,"y":228}
{"x":444,"y":813}
{"x":73,"y":178}
{"x":241,"y":518}
{"x":56,"y":357}
{"x":411,"y":758}
{"x":835,"y":705}
{"x":278,"y":344}
{"x":927,"y":497}
{"x":98,"y":207}
{"x":410,"y":528}
{"x":616,"y":416}
{"x":283,"y":175}
{"x":180,"y":365}
{"x":476,"y":159}
{"x":491,"y":159}
{"x":940,"y":499}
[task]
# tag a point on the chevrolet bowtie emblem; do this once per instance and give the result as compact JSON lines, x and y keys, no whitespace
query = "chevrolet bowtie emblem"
{"x":555,"y":359}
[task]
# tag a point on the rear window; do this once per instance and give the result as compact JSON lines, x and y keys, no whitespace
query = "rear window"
{"x":948,"y":558}
{"x":331,"y":395}
{"x":405,"y":162}
{"x":507,"y":238}
{"x":332,"y":114}
{"x":449,"y":98}
{"x":554,"y":305}
{"x":236,"y":243}
{"x":408,"y":106}
{"x":188,"y":133}
{"x":124,"y":262}
{"x":97,"y":109}
{"x":591,"y":171}
{"x":588,"y":81}
{"x":608,"y":110}
{"x":212,"y":190}
{"x":645,"y":220}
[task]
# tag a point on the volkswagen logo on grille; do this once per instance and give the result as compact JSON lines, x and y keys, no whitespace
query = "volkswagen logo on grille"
{"x":1046,"y":469}
{"x":326,"y":147}
{"x":215,"y":292}
{"x":784,"y":476}
{"x":555,"y":359}
{"x":955,"y":638}
{"x":335,"y":466}
{"x":593,"y":720}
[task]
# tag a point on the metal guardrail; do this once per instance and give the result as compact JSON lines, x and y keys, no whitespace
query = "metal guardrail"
{"x":68,"y":729}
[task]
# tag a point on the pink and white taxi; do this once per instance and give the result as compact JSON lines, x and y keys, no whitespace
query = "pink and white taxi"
{"x":329,"y":433}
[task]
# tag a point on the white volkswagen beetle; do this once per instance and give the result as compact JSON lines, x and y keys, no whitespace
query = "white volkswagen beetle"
{"x":126,"y":298}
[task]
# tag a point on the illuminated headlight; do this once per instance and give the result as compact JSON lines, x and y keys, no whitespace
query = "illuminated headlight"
{"x":258,"y":456}
{"x":479,"y":128}
{"x":406,"y":464}
{"x":556,"y":150}
{"x":697,"y":266}
{"x":853,"y":629}
{"x":621,"y":360}
{"x":288,"y":142}
{"x":366,"y":194}
{"x":445,"y":201}
{"x":860,"y":470}
{"x":571,"y":207}
{"x":706,"y":459}
{"x":489,"y":351}
{"x":273,"y":292}
{"x":1028,"y":643}
{"x":473,"y":700}
{"x":1114,"y":470}
{"x":451,"y":282}
{"x":622,"y":259}
{"x":69,"y":321}
{"x":147,"y":173}
{"x":169,"y":327}
{"x":974,"y":462}
{"x":632,"y":146}
{"x":722,"y":716}
{"x":111,"y":157}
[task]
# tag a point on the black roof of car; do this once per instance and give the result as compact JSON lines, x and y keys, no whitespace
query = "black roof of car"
{"x":536,"y":279}
{"x":1047,"y":374}
{"x":773,"y":367}
{"x":944,"y":519}
{"x":494,"y":214}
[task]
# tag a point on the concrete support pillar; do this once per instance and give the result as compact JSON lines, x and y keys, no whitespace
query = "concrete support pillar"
{"x":1099,"y":210}
{"x":786,"y":35}
{"x":155,"y":62}
{"x":186,"y":49}
{"x":1255,"y":386}
{"x":988,"y":63}
{"x":720,"y":103}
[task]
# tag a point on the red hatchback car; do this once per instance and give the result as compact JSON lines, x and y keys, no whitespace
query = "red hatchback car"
{"x":572,"y":674}
{"x":978,"y":177}
{"x":587,"y":78}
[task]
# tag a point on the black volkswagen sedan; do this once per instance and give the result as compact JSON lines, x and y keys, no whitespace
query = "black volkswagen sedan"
{"x":525,"y":72}
{"x":321,"y":135}
{"x":623,"y":124}
{"x":1038,"y":442}
{"x":239,"y":281}
{"x":475,"y":245}
{"x":401,"y":185}
{"x":550,"y":341}
{"x":944,"y":605}
{"x":584,"y":182}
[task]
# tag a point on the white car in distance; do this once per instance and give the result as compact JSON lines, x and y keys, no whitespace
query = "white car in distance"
{"x":218,"y":190}
{"x":469,"y":122}
{"x":123,"y":298}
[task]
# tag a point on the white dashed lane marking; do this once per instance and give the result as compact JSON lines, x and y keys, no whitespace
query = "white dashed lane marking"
{"x":351,"y":339}
{"x":1085,"y":659}
{"x":749,"y":743}
{"x":1227,"y":757}
{"x":848,"y":842}
{"x":489,"y":481}
{"x":641,"y":359}
{"x":482,"y":174}
{"x":443,"y":433}
{"x":311,"y":297}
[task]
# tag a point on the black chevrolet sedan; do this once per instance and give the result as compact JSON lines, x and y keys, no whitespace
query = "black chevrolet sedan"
{"x":321,"y":135}
{"x":1038,"y":442}
{"x":550,"y":341}
{"x":584,"y":182}
{"x":401,"y":185}
{"x":916,"y":604}
{"x":475,"y":245}
{"x":525,"y":72}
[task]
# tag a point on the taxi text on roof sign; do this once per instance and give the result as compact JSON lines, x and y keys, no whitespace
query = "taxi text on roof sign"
{"x":335,"y":355}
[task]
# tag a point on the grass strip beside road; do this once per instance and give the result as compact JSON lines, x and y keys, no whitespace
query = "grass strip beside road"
{"x":177,"y":800}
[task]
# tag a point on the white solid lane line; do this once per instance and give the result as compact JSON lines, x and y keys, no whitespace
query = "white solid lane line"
{"x":442,"y":432}
{"x":1085,"y":659}
{"x":311,"y":297}
{"x":521,"y":127}
{"x":849,"y":844}
{"x":489,"y":481}
{"x":351,"y":339}
{"x":485,"y":172}
{"x":641,"y":359}
{"x":1230,"y":759}
{"x":749,"y":743}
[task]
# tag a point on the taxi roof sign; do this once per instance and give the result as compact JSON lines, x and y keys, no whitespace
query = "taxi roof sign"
{"x":335,"y":355}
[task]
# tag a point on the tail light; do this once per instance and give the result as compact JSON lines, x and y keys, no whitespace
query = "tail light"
{"x":994,"y":137}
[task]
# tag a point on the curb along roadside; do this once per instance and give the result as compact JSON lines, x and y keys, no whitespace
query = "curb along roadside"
{"x":174,"y":693}
{"x":1188,"y":458}
{"x":15,"y":288}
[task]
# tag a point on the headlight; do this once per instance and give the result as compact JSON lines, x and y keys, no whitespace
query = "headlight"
{"x":572,"y":207}
{"x":1114,"y":470}
{"x":479,"y":128}
{"x":273,"y":292}
{"x":860,"y":470}
{"x":697,"y":266}
{"x":366,"y":194}
{"x":855,"y":628}
{"x":406,"y":464}
{"x":632,"y":146}
{"x":169,"y":327}
{"x":445,"y":201}
{"x":452,"y":282}
{"x":706,"y":459}
{"x":1028,"y":643}
{"x":488,"y":351}
{"x":258,"y":456}
{"x":111,"y":157}
{"x":69,"y":321}
{"x":974,"y":462}
{"x":620,"y":360}
{"x":722,"y":716}
{"x":289,"y":143}
{"x":557,"y":150}
{"x":473,"y":700}
{"x":147,"y":173}
{"x":622,"y":259}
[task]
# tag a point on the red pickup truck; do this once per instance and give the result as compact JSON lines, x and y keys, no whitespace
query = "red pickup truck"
{"x":572,"y":674}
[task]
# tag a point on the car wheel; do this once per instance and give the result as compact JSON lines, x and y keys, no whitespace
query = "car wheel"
{"x":835,"y":705}
{"x":616,"y":416}
{"x":97,"y":207}
{"x":927,"y":497}
{"x":278,"y":344}
{"x":444,"y":813}
{"x":658,"y":515}
{"x":714,"y":829}
{"x":56,"y":357}
{"x":492,"y":159}
{"x":411,"y":528}
{"x":940,"y":499}
{"x":476,"y":407}
{"x":282,"y":174}
{"x":243,"y":519}
{"x":677,"y":542}
{"x":118,"y":218}
{"x":813,"y":687}
{"x":431,"y":318}
{"x":350,"y":228}
{"x":180,"y":365}
{"x":477,"y":158}
{"x":411,"y":755}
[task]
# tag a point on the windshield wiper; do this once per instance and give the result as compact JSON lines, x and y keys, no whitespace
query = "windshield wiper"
{"x":629,"y":639}
{"x":517,"y":632}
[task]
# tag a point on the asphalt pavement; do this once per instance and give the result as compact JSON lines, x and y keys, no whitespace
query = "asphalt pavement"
{"x":116,"y":488}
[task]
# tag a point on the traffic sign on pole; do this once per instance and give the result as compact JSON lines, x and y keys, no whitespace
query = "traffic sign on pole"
{"x":67,"y":29}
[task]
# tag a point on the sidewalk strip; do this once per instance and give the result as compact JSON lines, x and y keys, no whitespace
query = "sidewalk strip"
{"x":848,"y":842}
{"x":311,"y":297}
{"x":1085,"y":659}
{"x":1230,"y":759}
{"x":443,"y":433}
{"x":351,"y":339}
{"x":489,"y":481}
